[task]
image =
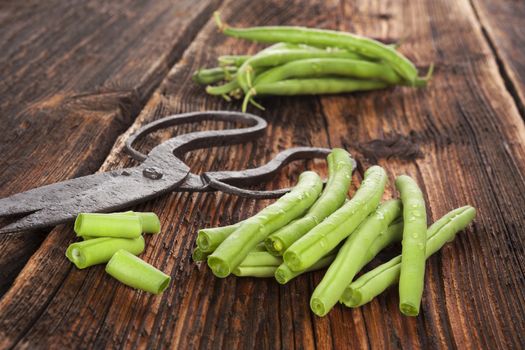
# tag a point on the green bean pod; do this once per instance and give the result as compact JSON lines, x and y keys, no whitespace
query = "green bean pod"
{"x":350,"y":257}
{"x":223,"y":89}
{"x":100,"y":250}
{"x":325,"y":38}
{"x":232,"y":251}
{"x":339,"y":225}
{"x":283,"y":274}
{"x":319,"y":86}
{"x":258,"y":264}
{"x":136,"y":273}
{"x":208,"y":239}
{"x":276,"y":57}
{"x":412,"y":279}
{"x":108,"y":225}
{"x":232,"y":60}
{"x":213,"y":75}
{"x":322,"y":67}
{"x":374,"y":282}
{"x":316,"y":86}
{"x":340,"y":165}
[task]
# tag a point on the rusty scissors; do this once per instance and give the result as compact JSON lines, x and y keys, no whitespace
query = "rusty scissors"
{"x":161,"y":171}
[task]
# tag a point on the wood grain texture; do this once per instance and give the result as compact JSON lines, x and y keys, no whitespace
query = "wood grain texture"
{"x":502,"y":24}
{"x":471,"y":141}
{"x":74,"y":75}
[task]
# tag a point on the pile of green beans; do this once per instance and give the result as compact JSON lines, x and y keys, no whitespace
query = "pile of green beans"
{"x":306,"y":61}
{"x":309,"y":230}
{"x":116,"y":239}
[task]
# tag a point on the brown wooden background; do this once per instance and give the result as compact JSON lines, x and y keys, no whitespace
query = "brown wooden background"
{"x":76,"y":77}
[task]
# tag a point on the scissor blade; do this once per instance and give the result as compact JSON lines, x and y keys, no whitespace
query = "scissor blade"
{"x":49,"y":195}
{"x":116,"y":191}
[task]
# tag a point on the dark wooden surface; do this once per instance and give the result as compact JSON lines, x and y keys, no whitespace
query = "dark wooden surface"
{"x":74,"y":75}
{"x":70,"y":87}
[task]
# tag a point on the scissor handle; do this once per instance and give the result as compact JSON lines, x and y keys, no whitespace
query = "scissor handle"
{"x":200,"y":139}
{"x":229,"y":181}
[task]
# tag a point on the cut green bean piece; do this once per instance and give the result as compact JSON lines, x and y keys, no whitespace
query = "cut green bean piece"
{"x":150,"y":222}
{"x":340,"y":165}
{"x":100,"y":250}
{"x":325,"y":38}
{"x":232,"y":251}
{"x":412,"y":279}
{"x":208,"y":239}
{"x":322,"y":67}
{"x":136,"y":273}
{"x":374,"y":282}
{"x":324,"y":237}
{"x":108,"y":225}
{"x":350,"y":257}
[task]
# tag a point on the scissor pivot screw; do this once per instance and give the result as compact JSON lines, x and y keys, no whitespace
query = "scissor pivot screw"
{"x":152,"y":173}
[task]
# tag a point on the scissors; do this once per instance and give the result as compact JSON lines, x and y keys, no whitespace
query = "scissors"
{"x":161,"y":171}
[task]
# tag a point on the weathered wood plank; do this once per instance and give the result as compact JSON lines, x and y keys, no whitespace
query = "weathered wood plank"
{"x":471,"y":138}
{"x":502,"y":23}
{"x":74,"y":75}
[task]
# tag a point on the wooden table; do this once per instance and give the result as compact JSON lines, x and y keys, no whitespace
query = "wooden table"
{"x":77,"y":77}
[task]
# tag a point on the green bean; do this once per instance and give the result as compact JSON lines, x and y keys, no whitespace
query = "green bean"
{"x":412,"y":279}
{"x":258,"y":264}
{"x":318,"y":86}
{"x":208,"y":239}
{"x":149,"y":221}
{"x":232,"y":60}
{"x":283,"y":274}
{"x":100,"y":250}
{"x":232,"y":251}
{"x":136,"y":273}
{"x":374,"y":282}
{"x":339,"y":225}
{"x":213,"y":75}
{"x":350,"y":257}
{"x":321,"y":67}
{"x":223,"y":89}
{"x":325,"y":38}
{"x":108,"y":225}
{"x":275,"y":57}
{"x":340,"y":165}
{"x":254,"y":271}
